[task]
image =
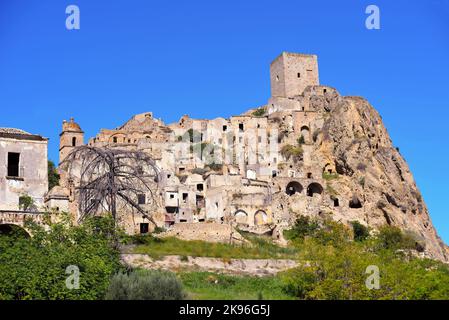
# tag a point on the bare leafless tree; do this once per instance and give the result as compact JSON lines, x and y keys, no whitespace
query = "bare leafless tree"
{"x":108,"y":178}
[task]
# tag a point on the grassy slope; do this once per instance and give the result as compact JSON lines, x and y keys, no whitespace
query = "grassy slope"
{"x":260,"y":249}
{"x":211,"y":286}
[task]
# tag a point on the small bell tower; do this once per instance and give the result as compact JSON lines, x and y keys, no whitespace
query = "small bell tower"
{"x":71,"y":136}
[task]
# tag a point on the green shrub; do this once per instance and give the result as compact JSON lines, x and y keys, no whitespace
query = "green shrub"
{"x":53,"y":175}
{"x":391,"y":237}
{"x":303,"y":227}
{"x":26,"y":202}
{"x":260,"y":112}
{"x":329,"y":176}
{"x":288,"y":151}
{"x":361,"y":233}
{"x":145,"y":285}
{"x":301,"y":140}
{"x":35,"y":268}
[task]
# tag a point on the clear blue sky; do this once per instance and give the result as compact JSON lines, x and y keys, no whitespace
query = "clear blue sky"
{"x":211,"y":58}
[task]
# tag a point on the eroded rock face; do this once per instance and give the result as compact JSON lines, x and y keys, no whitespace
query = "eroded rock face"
{"x":363,"y":173}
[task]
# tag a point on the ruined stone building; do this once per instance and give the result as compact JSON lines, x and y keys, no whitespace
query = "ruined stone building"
{"x":24,"y":168}
{"x":307,"y":151}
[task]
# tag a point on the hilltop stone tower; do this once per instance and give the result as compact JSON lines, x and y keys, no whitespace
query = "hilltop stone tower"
{"x":291,"y":73}
{"x":71,"y":136}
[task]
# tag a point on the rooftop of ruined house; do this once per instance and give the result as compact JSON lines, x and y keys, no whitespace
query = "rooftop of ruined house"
{"x":19,"y":134}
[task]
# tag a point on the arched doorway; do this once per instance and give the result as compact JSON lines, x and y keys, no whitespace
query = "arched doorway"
{"x":314,"y":188}
{"x":293,"y":187}
{"x":305,"y":132}
{"x":241,"y":217}
{"x":260,"y":218}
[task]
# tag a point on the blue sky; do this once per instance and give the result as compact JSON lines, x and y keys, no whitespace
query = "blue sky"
{"x":211,"y":58}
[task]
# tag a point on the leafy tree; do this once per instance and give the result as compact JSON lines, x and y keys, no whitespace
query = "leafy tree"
{"x":35,"y":268}
{"x":53,"y":175}
{"x":334,"y":268}
{"x":303,"y":227}
{"x":26,"y":203}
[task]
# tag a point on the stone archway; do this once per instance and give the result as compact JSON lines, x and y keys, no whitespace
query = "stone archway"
{"x":293,"y":187}
{"x":305,"y":132}
{"x":13,"y":229}
{"x":260,"y":218}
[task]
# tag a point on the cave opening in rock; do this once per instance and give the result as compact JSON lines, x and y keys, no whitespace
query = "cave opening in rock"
{"x":293,"y":187}
{"x":314,"y":188}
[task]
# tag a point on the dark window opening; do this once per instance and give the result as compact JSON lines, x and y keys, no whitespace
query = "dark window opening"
{"x":336,"y":202}
{"x":299,"y":75}
{"x":184,"y":196}
{"x":225,"y":128}
{"x":139,"y":170}
{"x":314,"y":188}
{"x":274,"y":174}
{"x":172,"y":196}
{"x":200,"y":220}
{"x":355,"y":203}
{"x":114,"y":139}
{"x":182,"y":220}
{"x":200,"y":187}
{"x":241,"y":126}
{"x":325,"y":90}
{"x":200,"y":201}
{"x":182,"y":169}
{"x":144,"y":228}
{"x":74,"y":142}
{"x":13,"y":164}
{"x":171,"y":209}
{"x":293,"y":187}
{"x":168,"y":176}
{"x":309,"y":175}
{"x":141,"y":199}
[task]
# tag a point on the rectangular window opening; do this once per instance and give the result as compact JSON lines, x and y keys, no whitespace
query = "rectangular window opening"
{"x":141,"y":199}
{"x":144,"y":228}
{"x":13,"y":164}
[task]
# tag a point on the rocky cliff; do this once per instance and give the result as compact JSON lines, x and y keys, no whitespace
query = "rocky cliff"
{"x":361,"y":169}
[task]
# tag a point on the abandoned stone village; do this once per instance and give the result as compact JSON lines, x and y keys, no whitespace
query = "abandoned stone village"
{"x":308,"y":151}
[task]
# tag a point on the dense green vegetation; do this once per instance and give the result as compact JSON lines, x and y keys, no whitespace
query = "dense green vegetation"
{"x":53,"y":175}
{"x":35,"y":267}
{"x":145,"y":285}
{"x":258,"y":248}
{"x":333,"y":263}
{"x":295,"y":152}
{"x":334,"y":266}
{"x":260,"y":112}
